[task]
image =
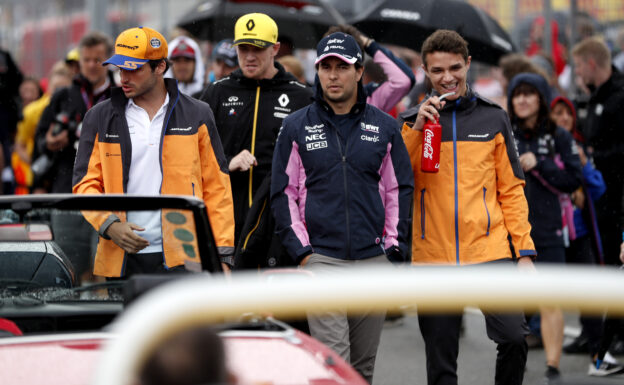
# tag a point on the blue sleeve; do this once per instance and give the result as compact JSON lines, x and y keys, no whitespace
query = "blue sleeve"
{"x":594,"y":182}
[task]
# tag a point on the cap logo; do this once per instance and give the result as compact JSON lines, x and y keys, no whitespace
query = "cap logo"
{"x":133,"y":47}
{"x":250,"y":25}
{"x":334,"y":41}
{"x":155,"y":42}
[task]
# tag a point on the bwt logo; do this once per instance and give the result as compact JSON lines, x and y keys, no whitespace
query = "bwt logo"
{"x":428,"y":148}
{"x":370,"y":128}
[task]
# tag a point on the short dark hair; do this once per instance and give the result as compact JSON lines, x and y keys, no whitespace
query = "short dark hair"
{"x":444,"y":40}
{"x":154,"y":63}
{"x":543,"y":114}
{"x":94,"y":38}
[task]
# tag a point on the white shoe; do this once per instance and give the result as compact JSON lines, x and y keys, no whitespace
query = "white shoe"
{"x":605,"y":369}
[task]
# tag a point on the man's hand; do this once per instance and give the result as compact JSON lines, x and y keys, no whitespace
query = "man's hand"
{"x":226,"y":268}
{"x":243,"y":161}
{"x":304,"y":260}
{"x":527,"y":161}
{"x":428,"y":110}
{"x":123,"y":235}
{"x":58,"y":142}
{"x":526,"y":264}
{"x":582,"y":155}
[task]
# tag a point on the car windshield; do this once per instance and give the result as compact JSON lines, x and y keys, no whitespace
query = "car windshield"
{"x":47,"y":253}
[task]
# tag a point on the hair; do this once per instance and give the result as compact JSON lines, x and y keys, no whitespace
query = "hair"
{"x":374,"y":71}
{"x":154,"y":63}
{"x":190,"y":357}
{"x":35,"y":81}
{"x":543,"y":114}
{"x":95,"y":38}
{"x":594,"y":48}
{"x":294,"y":65}
{"x":444,"y":40}
{"x":60,"y":68}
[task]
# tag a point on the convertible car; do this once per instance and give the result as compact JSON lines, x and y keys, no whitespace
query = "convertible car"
{"x":56,"y":316}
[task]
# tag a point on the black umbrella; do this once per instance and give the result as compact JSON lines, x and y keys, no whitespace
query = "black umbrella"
{"x":302,"y":21}
{"x":408,"y":23}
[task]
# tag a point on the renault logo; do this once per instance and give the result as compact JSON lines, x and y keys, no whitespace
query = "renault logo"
{"x":250,"y":25}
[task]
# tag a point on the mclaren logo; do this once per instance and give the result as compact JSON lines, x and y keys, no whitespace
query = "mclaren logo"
{"x":132,"y":47}
{"x":250,"y":25}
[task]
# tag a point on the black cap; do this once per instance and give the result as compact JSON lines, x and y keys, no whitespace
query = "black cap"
{"x":340,"y":45}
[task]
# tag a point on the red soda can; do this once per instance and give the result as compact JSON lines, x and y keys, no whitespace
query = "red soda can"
{"x":430,"y":158}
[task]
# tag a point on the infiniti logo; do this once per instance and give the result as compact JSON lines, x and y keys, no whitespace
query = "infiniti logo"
{"x":233,"y":99}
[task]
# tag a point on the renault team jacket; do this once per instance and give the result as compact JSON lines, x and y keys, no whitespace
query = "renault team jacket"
{"x":464,"y":212}
{"x":343,"y":197}
{"x":191,"y":162}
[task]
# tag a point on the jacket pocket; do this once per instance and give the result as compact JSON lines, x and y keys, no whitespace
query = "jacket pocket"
{"x":487,"y":212}
{"x":422,"y":213}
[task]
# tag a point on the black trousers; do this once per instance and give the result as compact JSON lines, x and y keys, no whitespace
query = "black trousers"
{"x":441,"y":335}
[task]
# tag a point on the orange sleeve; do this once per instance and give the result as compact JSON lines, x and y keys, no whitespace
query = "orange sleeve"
{"x":217,"y":193}
{"x":512,"y":200}
{"x":413,"y":143}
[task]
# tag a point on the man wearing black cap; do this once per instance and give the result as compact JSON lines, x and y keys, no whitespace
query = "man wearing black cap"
{"x":224,"y":60}
{"x":249,"y":106}
{"x":341,"y":189}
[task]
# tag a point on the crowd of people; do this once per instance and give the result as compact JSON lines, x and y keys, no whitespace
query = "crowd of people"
{"x":532,"y":175}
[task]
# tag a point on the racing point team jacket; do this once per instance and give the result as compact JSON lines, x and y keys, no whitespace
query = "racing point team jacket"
{"x":191,"y":162}
{"x":346,"y":197}
{"x":464,"y":212}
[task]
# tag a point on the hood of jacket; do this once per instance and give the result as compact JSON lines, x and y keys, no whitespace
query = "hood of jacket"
{"x":535,"y":80}
{"x":198,"y":77}
{"x":280,"y":77}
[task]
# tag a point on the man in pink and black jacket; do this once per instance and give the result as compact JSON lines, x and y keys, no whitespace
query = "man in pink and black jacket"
{"x":341,"y":190}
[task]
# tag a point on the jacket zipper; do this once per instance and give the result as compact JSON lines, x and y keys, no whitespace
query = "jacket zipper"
{"x":346,"y":189}
{"x":486,"y":211}
{"x":422,"y":213}
{"x":253,"y":143}
{"x":193,"y":187}
{"x":456,"y":187}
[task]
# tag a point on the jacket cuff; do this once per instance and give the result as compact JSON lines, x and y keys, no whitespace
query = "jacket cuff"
{"x":304,"y":253}
{"x":109,"y":221}
{"x":227,"y":260}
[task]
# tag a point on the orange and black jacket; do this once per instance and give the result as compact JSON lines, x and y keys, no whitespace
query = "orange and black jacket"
{"x":191,"y":162}
{"x":464,"y":213}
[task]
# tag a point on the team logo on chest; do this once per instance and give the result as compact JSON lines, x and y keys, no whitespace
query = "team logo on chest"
{"x":316,"y":137}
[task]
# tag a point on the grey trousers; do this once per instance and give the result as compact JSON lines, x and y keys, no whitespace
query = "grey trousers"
{"x":355,"y":337}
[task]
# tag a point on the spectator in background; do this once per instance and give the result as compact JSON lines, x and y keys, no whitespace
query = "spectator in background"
{"x":59,"y":128}
{"x":60,"y":76}
{"x":618,"y":60}
{"x":552,"y":168}
{"x":187,"y":65}
{"x":72,"y":59}
{"x":604,"y":134}
{"x":293,"y":65}
{"x":400,"y":78}
{"x":10,"y":79}
{"x":223,"y":60}
{"x":558,"y":51}
{"x":29,"y":90}
{"x":511,"y":65}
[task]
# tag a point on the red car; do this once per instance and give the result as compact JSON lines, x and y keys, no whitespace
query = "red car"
{"x":63,"y":313}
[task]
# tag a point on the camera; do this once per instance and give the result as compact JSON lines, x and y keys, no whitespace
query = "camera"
{"x":62,"y":121}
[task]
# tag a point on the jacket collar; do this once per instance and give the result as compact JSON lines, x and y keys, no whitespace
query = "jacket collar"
{"x":280,"y":77}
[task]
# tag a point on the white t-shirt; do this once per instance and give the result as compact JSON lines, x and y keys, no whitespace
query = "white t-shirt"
{"x":145,"y":176}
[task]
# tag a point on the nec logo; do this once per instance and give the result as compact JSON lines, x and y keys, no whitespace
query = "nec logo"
{"x":233,"y":99}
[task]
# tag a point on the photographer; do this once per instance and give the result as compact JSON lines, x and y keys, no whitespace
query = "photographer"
{"x":59,"y":128}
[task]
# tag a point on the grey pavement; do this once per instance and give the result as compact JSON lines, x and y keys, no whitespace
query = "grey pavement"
{"x":401,"y":356}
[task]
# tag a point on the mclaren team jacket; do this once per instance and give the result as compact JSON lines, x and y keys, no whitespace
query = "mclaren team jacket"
{"x":341,"y":192}
{"x":191,"y":162}
{"x":464,"y":213}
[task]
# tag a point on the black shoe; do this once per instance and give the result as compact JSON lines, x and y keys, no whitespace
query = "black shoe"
{"x":580,"y":345}
{"x":552,"y":375}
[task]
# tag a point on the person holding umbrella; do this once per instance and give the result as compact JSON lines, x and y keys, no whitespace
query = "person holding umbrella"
{"x":473,"y":204}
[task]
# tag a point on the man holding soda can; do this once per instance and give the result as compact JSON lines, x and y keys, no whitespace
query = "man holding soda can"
{"x":466,"y":204}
